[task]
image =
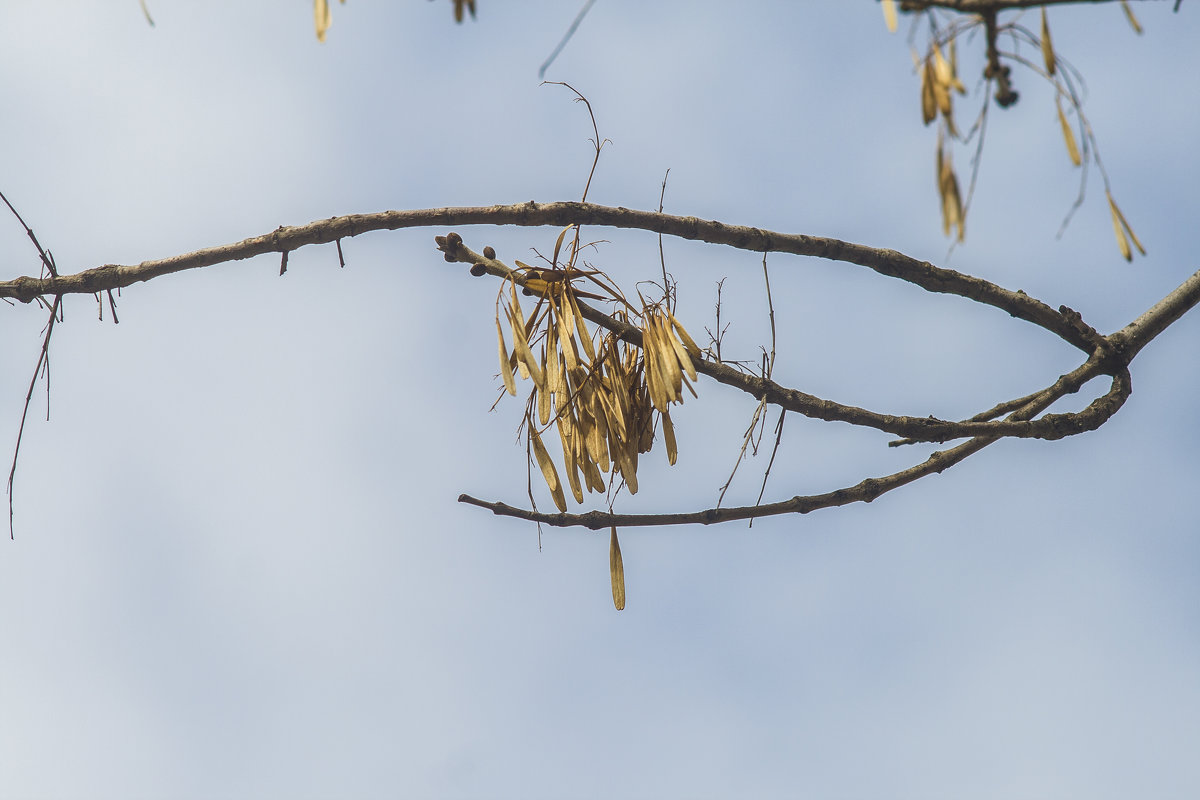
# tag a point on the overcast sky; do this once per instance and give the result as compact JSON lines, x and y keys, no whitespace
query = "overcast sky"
{"x":239,"y":567}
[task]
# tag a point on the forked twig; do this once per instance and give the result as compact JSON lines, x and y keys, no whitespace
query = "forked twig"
{"x":48,"y":267}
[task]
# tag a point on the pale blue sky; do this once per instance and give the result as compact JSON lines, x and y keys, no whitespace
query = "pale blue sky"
{"x":239,"y":567}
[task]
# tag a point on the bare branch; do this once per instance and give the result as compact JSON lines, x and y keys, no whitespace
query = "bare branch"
{"x":865,"y":491}
{"x":1133,"y":337}
{"x":884,"y":261}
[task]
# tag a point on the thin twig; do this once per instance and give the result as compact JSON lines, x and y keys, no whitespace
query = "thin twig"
{"x":718,"y":333}
{"x":746,"y":439}
{"x":43,"y":358}
{"x":774,"y":451}
{"x":770,"y":316}
{"x":662,"y":259}
{"x":47,"y":259}
{"x":566,"y":37}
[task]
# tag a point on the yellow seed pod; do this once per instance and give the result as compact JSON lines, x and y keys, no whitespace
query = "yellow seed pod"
{"x":1068,"y":134}
{"x":1047,"y":46}
{"x":616,"y":569}
{"x":549,"y":472}
{"x":669,"y":438}
{"x":889,"y":14}
{"x":510,"y":384}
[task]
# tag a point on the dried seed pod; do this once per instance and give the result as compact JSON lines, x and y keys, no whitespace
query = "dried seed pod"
{"x":527,"y":365}
{"x":652,"y":372}
{"x":628,"y":468}
{"x":543,"y":395}
{"x":592,"y":477}
{"x":616,"y":570}
{"x":584,"y":338}
{"x":952,"y":209}
{"x":1123,"y":231}
{"x":941,"y":96}
{"x":570,"y":355}
{"x":517,"y":361}
{"x":941,"y":68}
{"x":549,"y":472}
{"x":510,"y":384}
{"x":597,"y":443}
{"x":1068,"y":134}
{"x":928,"y":96}
{"x":956,"y":82}
{"x":614,"y":425}
{"x":668,"y":359}
{"x":322,"y":18}
{"x":692,"y":349}
{"x":669,"y":438}
{"x":554,"y":379}
{"x":1047,"y":46}
{"x":566,"y":437}
{"x":889,"y":14}
{"x":681,"y":352}
{"x":558,"y":245}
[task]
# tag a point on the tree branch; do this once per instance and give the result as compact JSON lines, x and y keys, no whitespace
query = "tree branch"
{"x":1133,"y":337}
{"x":285,"y":239}
{"x":865,"y":491}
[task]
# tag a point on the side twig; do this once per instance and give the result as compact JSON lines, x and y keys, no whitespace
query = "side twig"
{"x":43,"y":359}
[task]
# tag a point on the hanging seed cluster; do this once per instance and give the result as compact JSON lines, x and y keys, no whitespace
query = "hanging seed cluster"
{"x":603,"y":396}
{"x":939,"y":79}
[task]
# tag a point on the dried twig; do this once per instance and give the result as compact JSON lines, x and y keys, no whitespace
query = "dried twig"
{"x":43,"y":360}
{"x":883,"y":261}
{"x":566,"y":38}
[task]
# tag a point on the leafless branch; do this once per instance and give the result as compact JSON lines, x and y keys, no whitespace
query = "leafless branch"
{"x":883,"y":261}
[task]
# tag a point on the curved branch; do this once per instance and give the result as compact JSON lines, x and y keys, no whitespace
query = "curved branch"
{"x":864,"y":491}
{"x":285,"y":239}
